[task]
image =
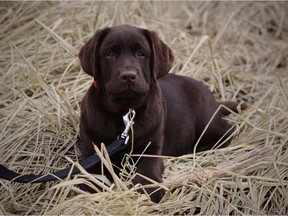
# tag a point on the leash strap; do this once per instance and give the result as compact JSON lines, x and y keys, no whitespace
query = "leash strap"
{"x":119,"y":144}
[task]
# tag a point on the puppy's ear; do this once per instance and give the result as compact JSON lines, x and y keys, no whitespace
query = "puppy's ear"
{"x":163,"y":58}
{"x":88,"y":53}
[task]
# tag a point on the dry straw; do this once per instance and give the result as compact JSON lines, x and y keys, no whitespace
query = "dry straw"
{"x":238,"y":49}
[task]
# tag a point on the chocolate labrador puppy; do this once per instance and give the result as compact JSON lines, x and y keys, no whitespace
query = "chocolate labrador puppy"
{"x":130,"y":67}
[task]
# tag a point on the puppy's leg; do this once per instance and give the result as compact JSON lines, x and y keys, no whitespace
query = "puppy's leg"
{"x":87,"y":149}
{"x":233,"y":106}
{"x":218,"y":129}
{"x":153,"y":169}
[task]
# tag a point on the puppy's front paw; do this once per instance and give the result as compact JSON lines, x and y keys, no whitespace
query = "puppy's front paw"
{"x":155,"y":193}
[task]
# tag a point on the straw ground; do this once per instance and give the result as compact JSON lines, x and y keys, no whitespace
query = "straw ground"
{"x":238,"y":49}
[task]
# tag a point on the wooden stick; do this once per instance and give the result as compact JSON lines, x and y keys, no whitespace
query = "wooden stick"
{"x":223,"y":169}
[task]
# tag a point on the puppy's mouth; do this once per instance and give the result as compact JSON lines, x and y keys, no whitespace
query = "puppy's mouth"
{"x":126,"y":95}
{"x":128,"y":99}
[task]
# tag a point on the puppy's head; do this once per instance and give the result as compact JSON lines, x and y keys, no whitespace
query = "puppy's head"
{"x":125,"y":61}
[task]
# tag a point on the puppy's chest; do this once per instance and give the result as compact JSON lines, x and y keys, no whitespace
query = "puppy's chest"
{"x":104,"y":131}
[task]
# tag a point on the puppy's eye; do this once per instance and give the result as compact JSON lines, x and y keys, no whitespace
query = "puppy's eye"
{"x":140,"y":53}
{"x":110,"y":54}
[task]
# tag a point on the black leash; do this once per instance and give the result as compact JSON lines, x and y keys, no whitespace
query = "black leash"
{"x":119,"y":144}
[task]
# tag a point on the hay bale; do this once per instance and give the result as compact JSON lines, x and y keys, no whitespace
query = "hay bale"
{"x":239,"y":49}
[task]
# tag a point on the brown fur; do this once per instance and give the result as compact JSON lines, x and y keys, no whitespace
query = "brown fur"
{"x":130,"y":66}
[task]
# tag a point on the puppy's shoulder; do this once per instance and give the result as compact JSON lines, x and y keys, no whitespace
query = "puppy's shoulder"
{"x":174,"y":80}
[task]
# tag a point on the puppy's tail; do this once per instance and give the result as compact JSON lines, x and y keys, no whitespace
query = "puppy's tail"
{"x":230,"y":106}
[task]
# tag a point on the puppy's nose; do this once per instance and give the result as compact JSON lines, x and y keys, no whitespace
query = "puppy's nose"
{"x":128,"y":76}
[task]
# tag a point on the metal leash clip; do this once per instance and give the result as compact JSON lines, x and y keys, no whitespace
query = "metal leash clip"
{"x":128,"y":121}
